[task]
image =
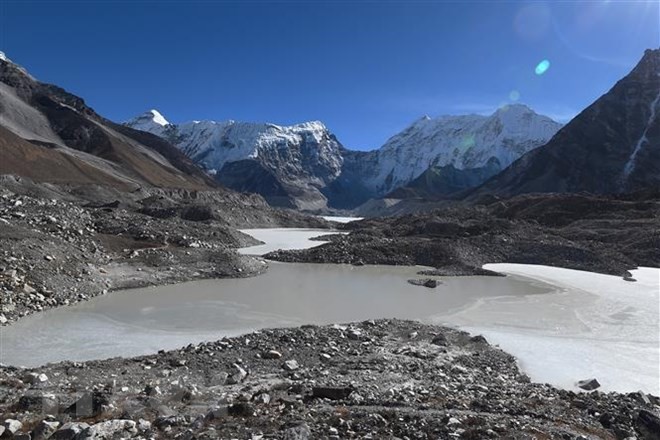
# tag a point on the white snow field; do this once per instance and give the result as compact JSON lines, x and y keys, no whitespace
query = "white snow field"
{"x":341,"y":219}
{"x":283,"y":239}
{"x":593,"y":325}
{"x":290,"y":238}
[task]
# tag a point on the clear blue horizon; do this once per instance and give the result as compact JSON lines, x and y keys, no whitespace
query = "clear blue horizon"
{"x":366,"y":69}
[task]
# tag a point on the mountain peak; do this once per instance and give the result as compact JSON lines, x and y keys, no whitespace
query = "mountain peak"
{"x":648,"y":66}
{"x":3,"y":57}
{"x":311,"y":126}
{"x":152,"y":121}
{"x":152,"y":116}
{"x":517,"y":109}
{"x":157,"y":117}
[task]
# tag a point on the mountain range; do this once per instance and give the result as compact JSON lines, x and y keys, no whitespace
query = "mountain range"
{"x":51,"y":135}
{"x":305,"y":166}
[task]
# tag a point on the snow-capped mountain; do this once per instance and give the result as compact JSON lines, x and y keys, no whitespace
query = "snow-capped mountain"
{"x":463,"y":142}
{"x":305,"y":166}
{"x":289,"y":165}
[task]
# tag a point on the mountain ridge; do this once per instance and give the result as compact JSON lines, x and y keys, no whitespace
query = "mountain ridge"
{"x":332,"y":175}
{"x":67,"y":132}
{"x":606,"y":149}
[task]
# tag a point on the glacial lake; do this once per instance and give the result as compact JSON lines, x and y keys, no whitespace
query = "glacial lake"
{"x":563,"y":325}
{"x":141,"y":321}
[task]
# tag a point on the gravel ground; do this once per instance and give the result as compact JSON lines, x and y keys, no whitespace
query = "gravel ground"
{"x":376,"y":379}
{"x":573,"y":231}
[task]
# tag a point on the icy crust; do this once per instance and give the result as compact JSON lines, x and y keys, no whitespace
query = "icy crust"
{"x":595,"y":325}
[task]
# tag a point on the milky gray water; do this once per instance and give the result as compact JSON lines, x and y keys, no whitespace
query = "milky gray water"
{"x":142,"y":321}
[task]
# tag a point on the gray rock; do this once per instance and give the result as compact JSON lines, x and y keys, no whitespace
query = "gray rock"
{"x":35,"y":401}
{"x":440,"y":340}
{"x":110,"y":430}
{"x":426,"y":282}
{"x":218,"y":379}
{"x":300,"y":432}
{"x":648,"y":423}
{"x":290,"y":365}
{"x":588,"y":384}
{"x":354,"y":334}
{"x":143,"y":425}
{"x":89,"y":405}
{"x":218,"y":412}
{"x":332,"y":393}
{"x":69,"y":431}
{"x":44,"y":430}
{"x":242,"y":409}
{"x":34,"y":378}
{"x":272,"y":354}
{"x":12,"y":426}
{"x":238,"y":375}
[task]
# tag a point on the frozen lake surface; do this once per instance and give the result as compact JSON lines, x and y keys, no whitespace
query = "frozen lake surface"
{"x":283,"y":238}
{"x":141,"y":321}
{"x":592,"y":325}
{"x":563,"y":325}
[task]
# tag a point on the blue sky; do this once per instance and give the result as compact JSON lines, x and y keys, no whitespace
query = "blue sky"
{"x":365,"y":68}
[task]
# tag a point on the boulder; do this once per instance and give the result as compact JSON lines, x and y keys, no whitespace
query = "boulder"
{"x":426,"y":282}
{"x":479,"y":339}
{"x":217,"y":379}
{"x":12,"y":426}
{"x":588,"y":384}
{"x":44,"y":430}
{"x":237,"y":376}
{"x":89,"y":405}
{"x":69,"y":431}
{"x":648,"y":424}
{"x":332,"y":393}
{"x":290,"y":365}
{"x":299,"y":432}
{"x":241,"y":409}
{"x":109,"y":430}
{"x":35,"y":401}
{"x":272,"y":354}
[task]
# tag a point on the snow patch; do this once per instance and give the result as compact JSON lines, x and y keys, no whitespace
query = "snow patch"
{"x":630,"y":165}
{"x":158,"y":118}
{"x":284,"y":239}
{"x":593,"y":325}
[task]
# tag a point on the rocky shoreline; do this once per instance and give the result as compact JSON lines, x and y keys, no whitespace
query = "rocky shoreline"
{"x":57,"y":249}
{"x":595,"y":234}
{"x":374,"y":379}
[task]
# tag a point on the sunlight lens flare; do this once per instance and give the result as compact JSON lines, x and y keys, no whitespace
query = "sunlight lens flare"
{"x":542,"y":67}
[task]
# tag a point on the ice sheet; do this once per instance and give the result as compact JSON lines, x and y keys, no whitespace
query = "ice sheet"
{"x":283,"y":238}
{"x":594,"y":325}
